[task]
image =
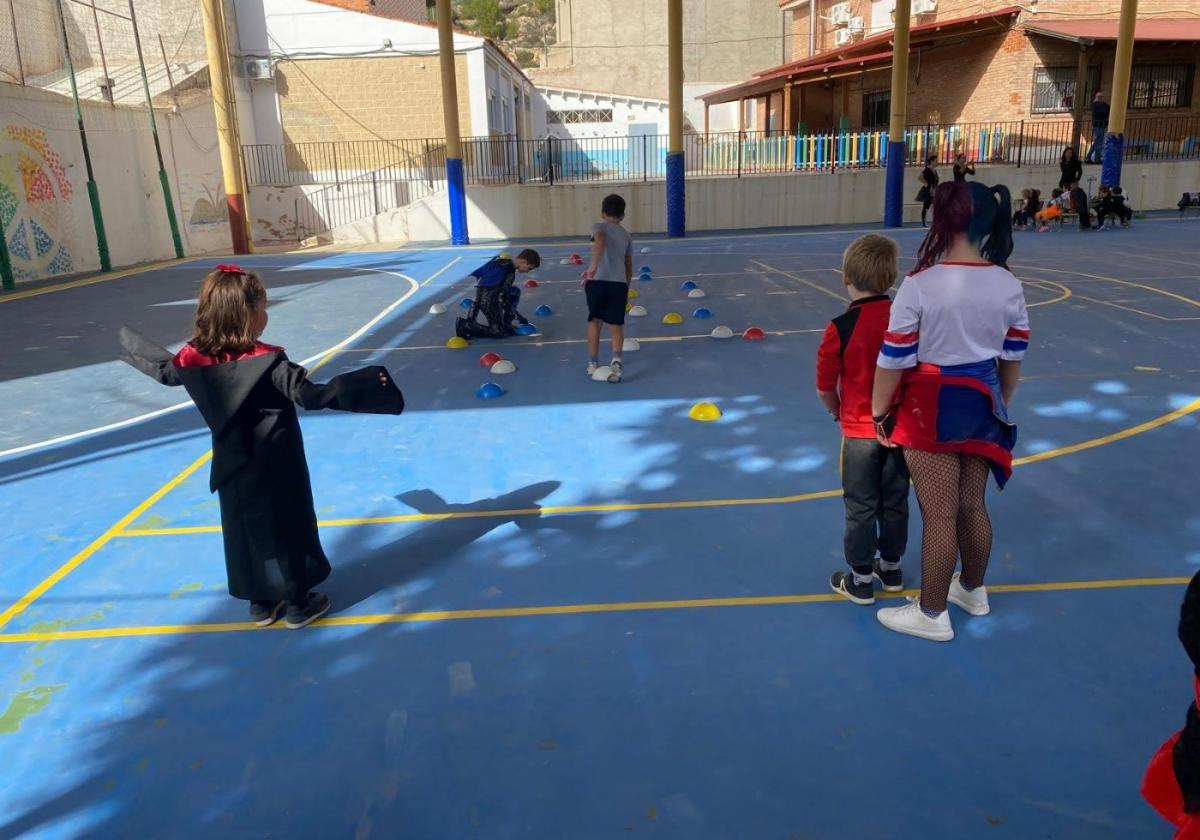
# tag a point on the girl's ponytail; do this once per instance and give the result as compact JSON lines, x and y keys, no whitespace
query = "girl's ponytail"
{"x":999,"y":244}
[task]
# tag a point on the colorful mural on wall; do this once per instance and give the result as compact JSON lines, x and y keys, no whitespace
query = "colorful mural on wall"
{"x":36,"y":216}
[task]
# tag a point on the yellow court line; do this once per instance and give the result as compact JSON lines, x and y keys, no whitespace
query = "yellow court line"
{"x":89,"y":281}
{"x":646,"y":340}
{"x":808,"y":283}
{"x":1130,"y":283}
{"x":95,"y":545}
{"x":1064,"y":292}
{"x":559,"y":510}
{"x":552,"y":610}
{"x":1125,"y":308}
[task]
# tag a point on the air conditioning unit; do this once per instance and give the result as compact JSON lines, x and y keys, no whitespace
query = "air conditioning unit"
{"x":257,"y":68}
{"x":924,"y":7}
{"x":843,"y":37}
{"x":856,"y":26}
{"x":840,"y":14}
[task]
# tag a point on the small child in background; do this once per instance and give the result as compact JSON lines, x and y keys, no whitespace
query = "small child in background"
{"x":606,"y":282}
{"x":247,"y":393}
{"x":1054,"y":209}
{"x":1030,"y":204}
{"x":496,"y":296}
{"x":874,"y":477}
{"x":1111,"y":202}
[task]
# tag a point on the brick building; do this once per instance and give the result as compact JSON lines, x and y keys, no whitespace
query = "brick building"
{"x":1006,"y":63}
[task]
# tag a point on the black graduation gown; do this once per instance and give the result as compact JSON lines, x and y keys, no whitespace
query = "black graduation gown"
{"x":259,"y":472}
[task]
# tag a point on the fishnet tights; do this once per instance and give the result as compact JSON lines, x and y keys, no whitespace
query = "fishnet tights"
{"x":950,"y":489}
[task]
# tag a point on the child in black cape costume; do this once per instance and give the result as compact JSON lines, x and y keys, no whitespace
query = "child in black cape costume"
{"x":247,"y":393}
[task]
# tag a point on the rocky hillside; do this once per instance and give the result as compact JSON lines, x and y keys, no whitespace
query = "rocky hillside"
{"x":524,"y":28}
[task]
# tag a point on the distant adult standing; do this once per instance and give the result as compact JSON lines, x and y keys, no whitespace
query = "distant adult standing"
{"x":961,"y":168}
{"x":929,"y":182}
{"x":1071,"y":168}
{"x":1099,"y":129}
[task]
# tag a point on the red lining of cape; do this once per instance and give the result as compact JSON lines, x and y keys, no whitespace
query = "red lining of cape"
{"x":189,"y":357}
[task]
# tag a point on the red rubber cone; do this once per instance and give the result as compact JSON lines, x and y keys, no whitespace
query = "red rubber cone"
{"x":488,"y":359}
{"x":754,"y":334}
{"x":531,"y":283}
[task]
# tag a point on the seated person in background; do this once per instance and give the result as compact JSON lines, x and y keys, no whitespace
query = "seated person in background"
{"x":1055,"y":208}
{"x":1112,"y":203}
{"x":1188,"y":200}
{"x":1029,"y":205}
{"x":494,"y":296}
{"x":1079,"y":205}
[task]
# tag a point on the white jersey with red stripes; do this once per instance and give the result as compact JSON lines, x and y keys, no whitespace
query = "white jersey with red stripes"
{"x":956,"y":313}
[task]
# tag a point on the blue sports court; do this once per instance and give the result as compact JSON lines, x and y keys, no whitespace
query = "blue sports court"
{"x":573,"y":611}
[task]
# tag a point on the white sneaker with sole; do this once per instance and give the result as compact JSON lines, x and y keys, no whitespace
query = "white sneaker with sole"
{"x":592,"y":367}
{"x":614,"y":375}
{"x":910,"y":620}
{"x":974,"y":601}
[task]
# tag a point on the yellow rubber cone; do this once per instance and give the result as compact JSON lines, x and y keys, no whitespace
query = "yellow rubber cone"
{"x":672,"y":318}
{"x":457,"y":343}
{"x":633,"y":293}
{"x":705,"y":412}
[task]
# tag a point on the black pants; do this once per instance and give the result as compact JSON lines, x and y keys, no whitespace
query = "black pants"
{"x":492,"y":303}
{"x":875,"y":490}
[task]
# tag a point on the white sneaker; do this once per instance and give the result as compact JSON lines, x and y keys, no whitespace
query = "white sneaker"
{"x":909,"y":619}
{"x":975,"y":601}
{"x":592,"y":367}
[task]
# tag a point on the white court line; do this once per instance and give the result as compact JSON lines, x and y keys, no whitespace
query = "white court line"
{"x":324,"y":355}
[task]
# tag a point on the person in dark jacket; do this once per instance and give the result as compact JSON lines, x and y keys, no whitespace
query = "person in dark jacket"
{"x":247,"y":393}
{"x":1080,"y":205}
{"x":1172,"y":782}
{"x":496,"y":296}
{"x":961,"y":168}
{"x":929,"y":182}
{"x":1099,"y":129}
{"x":1070,"y":167}
{"x":874,"y":477}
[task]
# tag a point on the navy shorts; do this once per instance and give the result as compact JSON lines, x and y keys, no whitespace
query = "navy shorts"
{"x":606,"y":301}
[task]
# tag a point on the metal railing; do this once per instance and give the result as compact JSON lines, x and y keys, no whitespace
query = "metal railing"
{"x":365,"y":178}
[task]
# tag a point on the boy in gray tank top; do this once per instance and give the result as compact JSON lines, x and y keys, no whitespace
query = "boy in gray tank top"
{"x":606,"y":282}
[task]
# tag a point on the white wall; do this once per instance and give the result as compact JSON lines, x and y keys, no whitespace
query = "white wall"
{"x":43,"y":179}
{"x":763,"y":201}
{"x":626,"y":111}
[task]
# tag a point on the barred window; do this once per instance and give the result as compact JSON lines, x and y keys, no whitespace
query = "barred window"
{"x":877,"y":107}
{"x":1161,"y":86}
{"x":580,"y":115}
{"x":1054,"y":89}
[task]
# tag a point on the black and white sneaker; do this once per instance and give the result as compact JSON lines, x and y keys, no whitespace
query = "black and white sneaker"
{"x":266,"y":613}
{"x":892,"y":581}
{"x":302,"y":616}
{"x":859,"y":593}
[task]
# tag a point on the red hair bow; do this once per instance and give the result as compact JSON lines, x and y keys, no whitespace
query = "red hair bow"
{"x":230,"y":269}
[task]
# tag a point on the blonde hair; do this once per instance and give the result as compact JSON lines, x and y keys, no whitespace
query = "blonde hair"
{"x":229,"y":300}
{"x":870,"y":263}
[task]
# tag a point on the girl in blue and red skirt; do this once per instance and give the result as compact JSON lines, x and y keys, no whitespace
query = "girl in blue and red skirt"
{"x":949,"y":365}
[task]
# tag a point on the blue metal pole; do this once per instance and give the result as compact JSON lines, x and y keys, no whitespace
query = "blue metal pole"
{"x":457,"y":189}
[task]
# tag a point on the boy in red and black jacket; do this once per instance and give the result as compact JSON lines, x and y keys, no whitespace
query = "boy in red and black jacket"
{"x":874,"y":477}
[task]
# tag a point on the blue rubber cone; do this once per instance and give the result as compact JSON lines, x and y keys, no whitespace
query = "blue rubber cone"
{"x":702,"y":312}
{"x":645,"y":269}
{"x":687,"y":285}
{"x":645,"y":278}
{"x":489,"y":391}
{"x":466,"y":303}
{"x":543,"y":310}
{"x":527,"y":329}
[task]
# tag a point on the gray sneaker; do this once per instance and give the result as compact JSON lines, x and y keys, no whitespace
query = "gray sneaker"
{"x":592,"y":367}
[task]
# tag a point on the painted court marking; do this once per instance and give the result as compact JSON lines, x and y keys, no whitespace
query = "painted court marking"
{"x":559,"y":510}
{"x":550,"y":610}
{"x":319,"y":359}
